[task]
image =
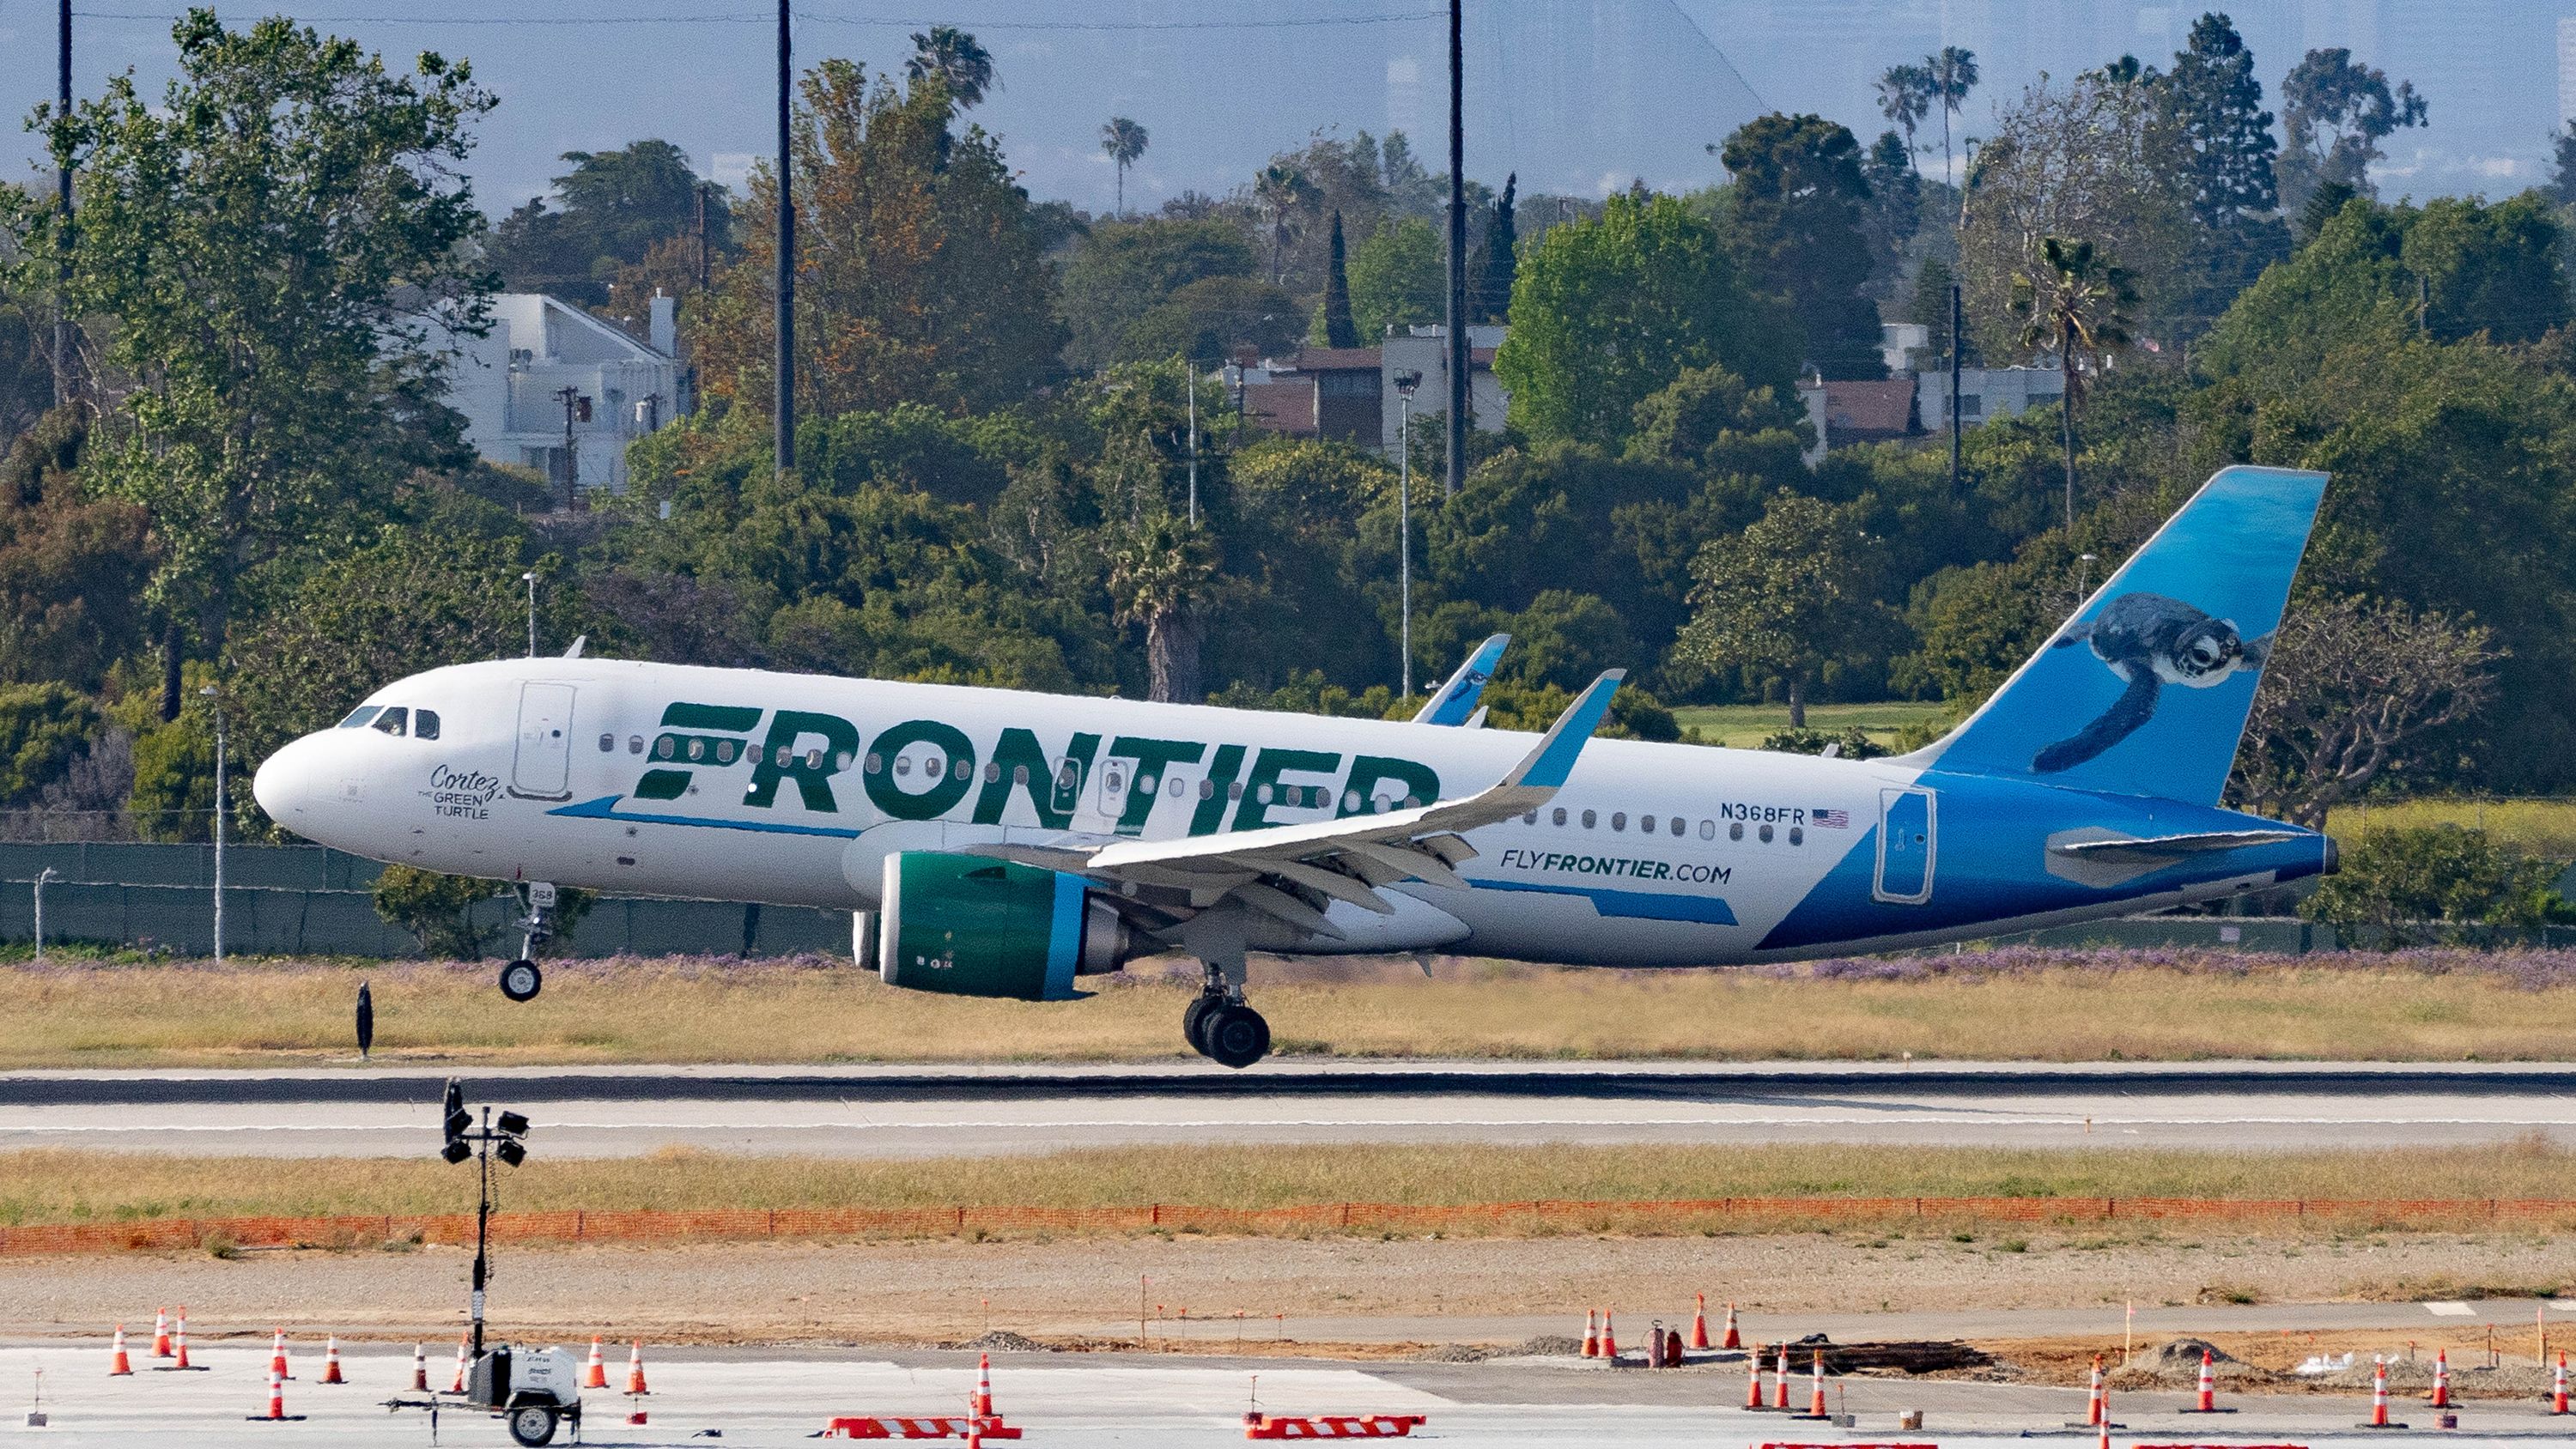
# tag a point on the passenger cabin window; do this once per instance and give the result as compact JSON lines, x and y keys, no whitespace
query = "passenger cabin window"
{"x":393,"y":721}
{"x":1735,"y":830}
{"x":1766,"y":835}
{"x":1707,"y":829}
{"x":1677,"y":827}
{"x":358,"y":717}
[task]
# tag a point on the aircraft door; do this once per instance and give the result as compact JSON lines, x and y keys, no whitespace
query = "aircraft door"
{"x":1906,"y":840}
{"x":542,"y":767}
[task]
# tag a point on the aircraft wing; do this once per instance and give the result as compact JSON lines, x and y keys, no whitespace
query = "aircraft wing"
{"x":1291,"y":872}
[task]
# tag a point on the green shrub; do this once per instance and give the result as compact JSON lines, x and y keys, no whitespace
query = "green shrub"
{"x":2436,"y":882}
{"x":1856,"y":743}
{"x":43,"y":728}
{"x":436,"y":909}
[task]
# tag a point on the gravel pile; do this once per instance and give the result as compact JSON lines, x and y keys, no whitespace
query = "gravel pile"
{"x":2175,"y":1364}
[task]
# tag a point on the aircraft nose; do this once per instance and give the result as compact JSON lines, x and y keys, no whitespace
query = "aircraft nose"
{"x":285,"y":784}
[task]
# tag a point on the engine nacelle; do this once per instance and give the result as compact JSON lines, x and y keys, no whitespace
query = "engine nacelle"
{"x":969,"y":925}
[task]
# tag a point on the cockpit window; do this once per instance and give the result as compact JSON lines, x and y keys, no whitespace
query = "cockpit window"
{"x":358,"y":717}
{"x":424,"y":724}
{"x":393,"y":720}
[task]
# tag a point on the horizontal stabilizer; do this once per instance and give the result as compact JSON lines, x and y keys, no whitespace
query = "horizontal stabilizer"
{"x":2172,"y":845}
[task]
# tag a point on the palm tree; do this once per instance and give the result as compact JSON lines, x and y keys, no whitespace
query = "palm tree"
{"x":1951,"y":75}
{"x":957,"y":58}
{"x":1905,"y":98}
{"x":1282,"y":188}
{"x":1124,"y":140}
{"x":1163,"y":578}
{"x":2077,"y":302}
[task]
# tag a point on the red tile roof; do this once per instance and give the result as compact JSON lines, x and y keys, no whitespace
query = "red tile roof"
{"x":1857,"y":410}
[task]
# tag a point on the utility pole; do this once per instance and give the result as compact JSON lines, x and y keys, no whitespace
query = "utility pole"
{"x":571,"y":398}
{"x":1954,"y":389}
{"x":530,"y":579}
{"x":702,"y":236}
{"x":63,"y":201}
{"x":1455,"y":474}
{"x":217,"y":702}
{"x":1190,"y":380}
{"x":1405,"y":382}
{"x":785,"y":406}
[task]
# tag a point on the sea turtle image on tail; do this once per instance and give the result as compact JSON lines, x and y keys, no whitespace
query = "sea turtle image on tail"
{"x":2149,"y":641}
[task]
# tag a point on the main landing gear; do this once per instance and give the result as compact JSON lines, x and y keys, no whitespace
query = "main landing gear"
{"x":1222,"y":1028}
{"x":521,"y":980}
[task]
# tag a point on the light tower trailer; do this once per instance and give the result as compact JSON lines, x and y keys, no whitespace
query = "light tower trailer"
{"x":534,"y":1391}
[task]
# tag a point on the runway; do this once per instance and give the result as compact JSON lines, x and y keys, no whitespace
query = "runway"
{"x":914,"y":1111}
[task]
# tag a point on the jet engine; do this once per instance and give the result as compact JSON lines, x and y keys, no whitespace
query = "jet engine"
{"x":973,"y":926}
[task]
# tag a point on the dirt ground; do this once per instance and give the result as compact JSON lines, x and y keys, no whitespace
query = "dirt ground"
{"x":1060,"y":1292}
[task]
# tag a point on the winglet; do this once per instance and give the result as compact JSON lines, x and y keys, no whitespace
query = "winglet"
{"x":1455,"y":699}
{"x":1553,"y":760}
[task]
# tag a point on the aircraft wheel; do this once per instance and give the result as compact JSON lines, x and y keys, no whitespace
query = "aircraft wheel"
{"x":521,"y":980}
{"x":1194,"y":1022}
{"x":1236,"y":1036}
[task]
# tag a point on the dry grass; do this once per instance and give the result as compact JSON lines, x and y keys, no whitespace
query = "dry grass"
{"x":76,"y":1187}
{"x":2543,"y":827}
{"x":702,"y":1011}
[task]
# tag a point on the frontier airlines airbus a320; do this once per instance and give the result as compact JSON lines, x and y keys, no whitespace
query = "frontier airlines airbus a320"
{"x":1009,"y":844}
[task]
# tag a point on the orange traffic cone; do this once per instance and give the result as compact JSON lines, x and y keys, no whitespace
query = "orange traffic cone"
{"x":1731,"y":1339}
{"x":2558,"y":1390}
{"x":120,"y":1366}
{"x":1609,"y":1338}
{"x":331,"y":1360}
{"x":276,"y":1403}
{"x":179,"y":1348}
{"x":635,"y":1367}
{"x":2096,"y":1414}
{"x":1816,"y":1394}
{"x":1780,"y":1382}
{"x":277,"y":1354}
{"x":419,"y":1369}
{"x":2442,"y":1379}
{"x":2102,"y":1434}
{"x":461,"y":1340}
{"x":2379,"y":1395}
{"x":160,"y":1333}
{"x":1699,"y":1320}
{"x":2207,"y":1400}
{"x":1591,"y":1333}
{"x":594,"y":1375}
{"x":1753,"y":1380}
{"x":983,"y":1405}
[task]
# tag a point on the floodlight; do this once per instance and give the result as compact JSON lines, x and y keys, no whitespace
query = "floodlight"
{"x":514,"y":1124}
{"x":456,"y":1151}
{"x":511,"y":1150}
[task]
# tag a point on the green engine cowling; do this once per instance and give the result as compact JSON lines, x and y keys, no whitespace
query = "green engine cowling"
{"x":973,"y":926}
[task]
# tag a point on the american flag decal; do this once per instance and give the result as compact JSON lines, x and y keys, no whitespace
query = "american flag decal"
{"x":1833,"y":819}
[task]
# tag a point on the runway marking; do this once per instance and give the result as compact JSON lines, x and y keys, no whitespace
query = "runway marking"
{"x":950,"y":1124}
{"x":2450,"y":1310}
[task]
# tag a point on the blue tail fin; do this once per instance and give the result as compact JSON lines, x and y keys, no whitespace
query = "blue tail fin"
{"x":2145,"y":690}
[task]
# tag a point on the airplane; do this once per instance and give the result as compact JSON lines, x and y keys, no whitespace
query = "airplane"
{"x":1004,"y":844}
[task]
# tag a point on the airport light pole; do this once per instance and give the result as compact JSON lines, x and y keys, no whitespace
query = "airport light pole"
{"x":42,"y":876}
{"x":217,"y":700}
{"x":1454,"y":475}
{"x":1405,"y":383}
{"x":1190,"y":380}
{"x":501,"y":1137}
{"x":530,"y":579}
{"x":783,"y":442}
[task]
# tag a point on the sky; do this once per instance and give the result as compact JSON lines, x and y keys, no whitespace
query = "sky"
{"x":1575,"y":96}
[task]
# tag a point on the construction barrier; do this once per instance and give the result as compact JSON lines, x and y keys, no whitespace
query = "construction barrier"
{"x":1332,"y":1426}
{"x":718,"y":1224}
{"x":936,"y":1426}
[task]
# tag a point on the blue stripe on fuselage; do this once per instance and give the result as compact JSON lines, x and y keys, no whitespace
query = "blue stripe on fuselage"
{"x":1634,"y":905}
{"x":605,"y":808}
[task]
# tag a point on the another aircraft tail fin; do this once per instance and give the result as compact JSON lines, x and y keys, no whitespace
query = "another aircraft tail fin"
{"x":2145,"y":690}
{"x":1454,"y":703}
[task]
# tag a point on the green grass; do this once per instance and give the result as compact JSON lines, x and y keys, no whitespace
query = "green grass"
{"x":1743,"y":726}
{"x":2543,"y":827}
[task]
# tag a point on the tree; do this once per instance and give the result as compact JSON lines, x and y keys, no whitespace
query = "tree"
{"x":2427,"y":883}
{"x":43,"y":728}
{"x":1905,"y":98}
{"x":2562,"y":166}
{"x":922,"y":272}
{"x":1798,"y":199}
{"x":1497,"y":257}
{"x":1285,"y":190}
{"x":612,"y":208}
{"x":437,"y":909}
{"x":72,"y":567}
{"x":2076,"y":161}
{"x":957,"y":59}
{"x":1929,"y":308}
{"x":1605,"y":312}
{"x":1126,"y":269}
{"x":278,"y":251}
{"x":2213,"y":133}
{"x":1787,"y":594}
{"x":2334,"y":113}
{"x":2354,"y":686}
{"x":1952,"y":74}
{"x":2075,"y":303}
{"x":1208,"y":319}
{"x":1336,"y":328}
{"x":1125,"y":141}
{"x":1398,"y":276}
{"x":1162,"y":578}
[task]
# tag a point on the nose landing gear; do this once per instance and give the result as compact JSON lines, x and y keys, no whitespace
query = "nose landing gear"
{"x":521,"y":980}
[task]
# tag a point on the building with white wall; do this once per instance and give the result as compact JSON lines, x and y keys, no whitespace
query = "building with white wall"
{"x":511,"y":386}
{"x":1425,"y":350}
